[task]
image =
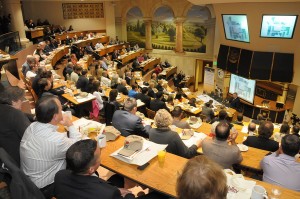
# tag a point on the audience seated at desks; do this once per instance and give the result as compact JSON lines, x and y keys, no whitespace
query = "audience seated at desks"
{"x":157,"y":103}
{"x":42,"y":148}
{"x":263,"y":141}
{"x":281,"y":168}
{"x":144,"y":97}
{"x":178,"y":115}
{"x":284,"y":130}
{"x":127,"y":122}
{"x":13,"y":121}
{"x":122,"y":87}
{"x":239,"y":120}
{"x":164,"y":135}
{"x":201,"y":178}
{"x":219,"y":150}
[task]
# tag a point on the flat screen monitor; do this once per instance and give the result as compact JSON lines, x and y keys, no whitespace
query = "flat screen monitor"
{"x":245,"y":88}
{"x":278,"y":26}
{"x":236,"y":27}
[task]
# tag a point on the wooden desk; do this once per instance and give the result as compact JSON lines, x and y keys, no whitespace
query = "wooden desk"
{"x":78,"y":33}
{"x":130,"y":56}
{"x":109,"y":49}
{"x":56,"y":55}
{"x":149,"y":64}
{"x":11,"y":63}
{"x":162,"y":179}
{"x":94,"y":41}
{"x":35,"y":33}
{"x":152,"y":175}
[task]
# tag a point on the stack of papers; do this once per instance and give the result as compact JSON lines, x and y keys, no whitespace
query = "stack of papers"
{"x":193,"y":139}
{"x":87,"y":98}
{"x":148,"y":152}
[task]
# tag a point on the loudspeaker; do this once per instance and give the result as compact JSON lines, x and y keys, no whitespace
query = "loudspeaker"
{"x":222,"y":57}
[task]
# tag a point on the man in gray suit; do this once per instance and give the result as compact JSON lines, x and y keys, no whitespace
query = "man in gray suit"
{"x":219,"y":150}
{"x":127,"y":122}
{"x":208,"y":112}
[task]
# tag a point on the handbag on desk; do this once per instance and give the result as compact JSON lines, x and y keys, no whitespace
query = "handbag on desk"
{"x":238,"y":187}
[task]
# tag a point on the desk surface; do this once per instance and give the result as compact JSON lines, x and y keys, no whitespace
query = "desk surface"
{"x":152,"y":175}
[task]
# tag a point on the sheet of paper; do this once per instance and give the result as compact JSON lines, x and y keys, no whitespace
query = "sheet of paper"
{"x":143,"y":157}
{"x":87,"y":98}
{"x":194,"y":139}
{"x":139,"y":103}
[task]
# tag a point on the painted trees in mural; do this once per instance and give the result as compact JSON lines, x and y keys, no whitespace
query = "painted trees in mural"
{"x":163,"y":29}
{"x":194,"y":29}
{"x":135,"y":27}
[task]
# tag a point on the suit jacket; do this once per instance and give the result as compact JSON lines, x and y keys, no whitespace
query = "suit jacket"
{"x":128,"y":79}
{"x":122,"y":89}
{"x":82,"y":83}
{"x":175,"y":144}
{"x":144,"y":98}
{"x":114,"y":56}
{"x":208,"y":112}
{"x":222,"y":153}
{"x":129,"y":124}
{"x":157,"y":104}
{"x":181,"y":124}
{"x":13,"y":125}
{"x":235,"y":103}
{"x":151,"y":93}
{"x":261,"y":143}
{"x":71,"y":186}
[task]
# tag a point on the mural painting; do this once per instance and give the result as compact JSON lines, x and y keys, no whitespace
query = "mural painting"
{"x":135,"y":27}
{"x":194,"y":29}
{"x":163,"y":29}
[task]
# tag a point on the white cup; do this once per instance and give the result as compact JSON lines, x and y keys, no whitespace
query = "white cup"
{"x":259,"y":192}
{"x":102,"y":141}
{"x":68,"y":114}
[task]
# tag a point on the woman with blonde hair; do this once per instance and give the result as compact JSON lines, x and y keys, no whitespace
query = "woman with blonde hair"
{"x":164,"y":135}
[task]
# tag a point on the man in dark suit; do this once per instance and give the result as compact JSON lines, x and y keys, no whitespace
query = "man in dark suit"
{"x":115,"y":55}
{"x":121,"y":87}
{"x":80,"y":181}
{"x":144,"y":97}
{"x":127,"y":122}
{"x":263,"y":141}
{"x":128,"y":77}
{"x":157,"y":103}
{"x":82,"y":81}
{"x":235,"y":102}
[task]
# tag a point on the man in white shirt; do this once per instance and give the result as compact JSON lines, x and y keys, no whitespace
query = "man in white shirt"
{"x":33,"y":69}
{"x":99,"y":45}
{"x":43,"y":148}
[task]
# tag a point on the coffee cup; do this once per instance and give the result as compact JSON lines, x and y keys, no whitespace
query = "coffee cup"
{"x":259,"y":192}
{"x":102,"y":141}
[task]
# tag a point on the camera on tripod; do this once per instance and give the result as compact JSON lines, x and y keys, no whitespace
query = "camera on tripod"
{"x":295,"y":119}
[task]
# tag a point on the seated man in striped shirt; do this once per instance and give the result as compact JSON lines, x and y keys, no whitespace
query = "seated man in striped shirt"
{"x":43,"y":148}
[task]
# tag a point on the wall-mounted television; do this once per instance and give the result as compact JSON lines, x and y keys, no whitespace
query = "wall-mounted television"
{"x":236,"y":27}
{"x":278,"y":26}
{"x":245,"y":88}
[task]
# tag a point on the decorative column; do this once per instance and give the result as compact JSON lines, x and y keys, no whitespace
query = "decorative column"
{"x":17,"y":24}
{"x":179,"y":23}
{"x":148,"y":22}
{"x":120,"y":28}
{"x":210,"y":24}
{"x":124,"y":29}
{"x":282,"y":98}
